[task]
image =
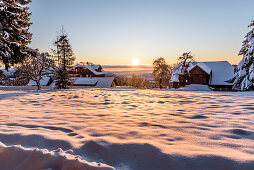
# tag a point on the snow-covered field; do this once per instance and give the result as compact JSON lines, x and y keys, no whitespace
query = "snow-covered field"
{"x":126,"y":129}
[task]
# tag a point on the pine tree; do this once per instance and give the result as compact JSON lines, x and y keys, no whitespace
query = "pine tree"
{"x":14,"y":31}
{"x":65,"y":59}
{"x":244,"y":75}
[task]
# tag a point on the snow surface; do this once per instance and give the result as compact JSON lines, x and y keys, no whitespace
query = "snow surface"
{"x":128,"y":128}
{"x":21,"y":88}
{"x":195,"y":87}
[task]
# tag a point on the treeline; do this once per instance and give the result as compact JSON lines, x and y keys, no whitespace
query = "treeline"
{"x":161,"y":77}
{"x":134,"y":81}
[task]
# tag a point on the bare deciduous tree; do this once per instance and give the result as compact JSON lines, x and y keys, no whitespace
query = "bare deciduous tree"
{"x":185,"y":60}
{"x":161,"y":72}
{"x":34,"y":66}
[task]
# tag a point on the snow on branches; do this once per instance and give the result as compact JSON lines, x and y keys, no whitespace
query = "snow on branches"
{"x":182,"y":68}
{"x":14,"y":34}
{"x":34,"y":67}
{"x":244,"y":75}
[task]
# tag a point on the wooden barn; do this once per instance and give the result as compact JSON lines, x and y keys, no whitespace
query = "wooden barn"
{"x":89,"y":70}
{"x":214,"y":74}
{"x":91,"y":75}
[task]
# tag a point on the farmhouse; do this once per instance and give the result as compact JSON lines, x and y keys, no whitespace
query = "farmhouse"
{"x":89,"y":70}
{"x":91,"y":75}
{"x":214,"y":74}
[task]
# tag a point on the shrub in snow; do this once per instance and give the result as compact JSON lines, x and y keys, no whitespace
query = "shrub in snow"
{"x":14,"y":34}
{"x":244,"y":75}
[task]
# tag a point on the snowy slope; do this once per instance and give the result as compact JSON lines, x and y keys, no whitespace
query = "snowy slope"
{"x":129,"y":129}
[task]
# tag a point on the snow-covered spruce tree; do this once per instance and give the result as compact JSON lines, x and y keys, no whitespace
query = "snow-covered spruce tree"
{"x":244,"y":75}
{"x":34,"y":66}
{"x":65,"y":59}
{"x":14,"y":31}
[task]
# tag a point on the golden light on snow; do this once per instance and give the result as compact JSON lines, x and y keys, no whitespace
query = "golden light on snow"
{"x":177,"y":123}
{"x":135,"y":62}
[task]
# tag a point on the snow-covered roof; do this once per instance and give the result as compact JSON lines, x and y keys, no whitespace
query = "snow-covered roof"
{"x":204,"y":67}
{"x":85,"y":81}
{"x":175,"y":78}
{"x":192,"y":65}
{"x":43,"y":82}
{"x":92,"y":68}
{"x":8,"y":73}
{"x":221,"y":72}
{"x":99,"y":82}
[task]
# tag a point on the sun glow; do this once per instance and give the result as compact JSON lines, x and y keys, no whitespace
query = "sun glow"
{"x":135,"y":62}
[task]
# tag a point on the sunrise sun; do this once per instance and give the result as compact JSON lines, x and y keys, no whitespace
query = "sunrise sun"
{"x":135,"y":62}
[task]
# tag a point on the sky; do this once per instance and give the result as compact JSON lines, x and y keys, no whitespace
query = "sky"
{"x":119,"y":32}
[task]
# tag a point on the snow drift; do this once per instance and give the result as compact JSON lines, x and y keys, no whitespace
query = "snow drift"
{"x":131,"y":156}
{"x":19,"y":158}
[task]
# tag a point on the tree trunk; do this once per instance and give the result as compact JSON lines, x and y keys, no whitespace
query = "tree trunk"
{"x":38,"y":85}
{"x":160,"y":83}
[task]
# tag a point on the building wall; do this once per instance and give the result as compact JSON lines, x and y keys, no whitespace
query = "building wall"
{"x":198,"y":76}
{"x":175,"y":85}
